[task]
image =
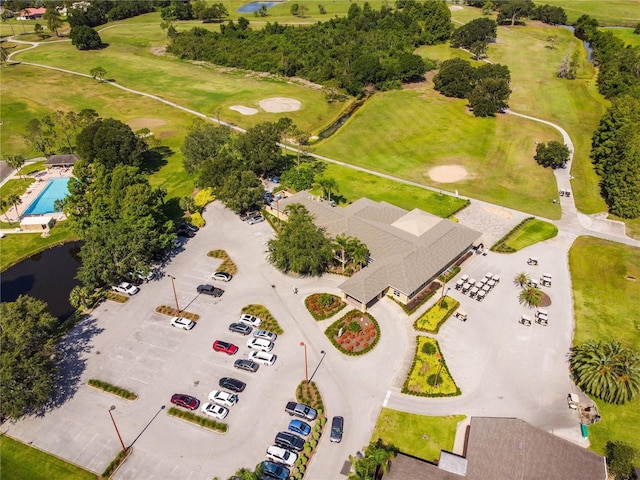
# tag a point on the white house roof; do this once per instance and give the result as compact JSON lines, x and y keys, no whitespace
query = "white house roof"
{"x":35,"y":220}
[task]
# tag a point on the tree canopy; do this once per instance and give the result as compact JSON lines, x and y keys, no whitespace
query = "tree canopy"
{"x":27,"y":358}
{"x":512,"y":11}
{"x":367,"y":48}
{"x":300,"y":246}
{"x":478,"y":30}
{"x":553,"y":154}
{"x":110,"y":142}
{"x":85,"y":38}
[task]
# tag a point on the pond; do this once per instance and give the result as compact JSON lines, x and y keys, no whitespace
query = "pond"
{"x":255,"y":6}
{"x":48,"y":276}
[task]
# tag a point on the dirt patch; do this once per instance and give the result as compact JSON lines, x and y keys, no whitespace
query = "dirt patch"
{"x":280,"y":104}
{"x":150,"y":123}
{"x":447,"y":173}
{"x":498,"y":212}
{"x":159,"y":51}
{"x":244,"y":110}
{"x":545,"y":301}
{"x":455,"y":8}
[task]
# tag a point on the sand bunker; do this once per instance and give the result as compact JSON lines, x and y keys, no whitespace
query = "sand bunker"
{"x":150,"y":123}
{"x":244,"y":110}
{"x":280,"y":104}
{"x":447,"y":173}
{"x":498,"y":212}
{"x":453,"y":8}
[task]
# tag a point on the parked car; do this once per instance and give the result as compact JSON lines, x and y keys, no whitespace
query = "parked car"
{"x":188,"y":226}
{"x":260,"y":344}
{"x":210,"y":290}
{"x":247,"y":365}
{"x":223,"y":398}
{"x":126,"y":287}
{"x":182,"y":323}
{"x":250,"y":320}
{"x":262,"y":357}
{"x":186,"y":401}
{"x":185,"y":233}
{"x":214,"y":410}
{"x":299,"y":427}
{"x":281,"y":455}
{"x":337,"y":425}
{"x":289,"y":441}
{"x":146,"y":277}
{"x":267,"y":335}
{"x":222,"y":276}
{"x":232,"y":384}
{"x":301,"y":410}
{"x":240,"y":328}
{"x":249,"y":214}
{"x":226,"y":347}
{"x":272,"y":470}
{"x":254,"y":220}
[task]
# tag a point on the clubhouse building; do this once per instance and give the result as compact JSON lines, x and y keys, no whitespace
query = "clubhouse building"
{"x":408,"y":250}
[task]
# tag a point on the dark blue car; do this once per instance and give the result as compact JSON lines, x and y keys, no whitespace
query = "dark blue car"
{"x":273,"y":470}
{"x":299,"y":427}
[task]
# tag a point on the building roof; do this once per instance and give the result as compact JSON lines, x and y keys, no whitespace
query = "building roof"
{"x":511,"y":449}
{"x":406,"y":248}
{"x":27,"y":12}
{"x":36,"y":220}
{"x":404,"y":467}
{"x":68,"y":159}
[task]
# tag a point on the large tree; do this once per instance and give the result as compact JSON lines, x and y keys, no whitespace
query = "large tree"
{"x":478,"y":30}
{"x":27,"y":358}
{"x":606,"y":370}
{"x":514,"y":10}
{"x":489,"y":97}
{"x":553,"y":154}
{"x":204,"y":140}
{"x":53,"y":19}
{"x":85,"y":38}
{"x":455,"y":78}
{"x":241,"y":191}
{"x":111,"y":143}
{"x":300,"y":246}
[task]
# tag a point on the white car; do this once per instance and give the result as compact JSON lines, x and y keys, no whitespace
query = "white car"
{"x":250,"y":320}
{"x":214,"y":410}
{"x":266,"y":334}
{"x":127,"y":288}
{"x":223,"y":398}
{"x":264,"y":358}
{"x":182,"y":323}
{"x":279,"y":454}
{"x":260,"y":344}
{"x":222,"y":276}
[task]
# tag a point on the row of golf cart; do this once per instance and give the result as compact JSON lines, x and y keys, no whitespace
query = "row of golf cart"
{"x":479,"y":289}
{"x":541,"y":317}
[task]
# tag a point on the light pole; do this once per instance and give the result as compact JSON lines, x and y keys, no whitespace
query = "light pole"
{"x":113,"y":407}
{"x":306,"y":368}
{"x":175,"y":295}
{"x":444,"y":294}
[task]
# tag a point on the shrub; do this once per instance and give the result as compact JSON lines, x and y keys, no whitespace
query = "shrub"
{"x":428,"y":348}
{"x":227,"y":264}
{"x":116,"y":462}
{"x":197,"y":220}
{"x":325,"y":299}
{"x":268,"y":321}
{"x":107,"y":387}
{"x":203,"y":197}
{"x":332,"y":332}
{"x":198,"y":420}
{"x":172,"y":312}
{"x":323,"y":305}
{"x":353,"y":326}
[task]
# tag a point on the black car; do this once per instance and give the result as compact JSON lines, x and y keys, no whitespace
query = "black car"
{"x":185,"y":233}
{"x":246,"y":364}
{"x":289,"y":441}
{"x":232,"y":384}
{"x":272,"y":470}
{"x":188,"y":226}
{"x":210,"y":290}
{"x":337,"y":426}
{"x":241,"y":328}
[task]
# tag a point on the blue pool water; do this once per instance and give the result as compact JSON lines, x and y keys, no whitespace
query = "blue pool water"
{"x":56,"y":189}
{"x":255,"y":6}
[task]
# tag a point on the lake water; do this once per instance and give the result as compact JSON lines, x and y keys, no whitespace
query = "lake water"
{"x":255,"y":6}
{"x":48,"y":276}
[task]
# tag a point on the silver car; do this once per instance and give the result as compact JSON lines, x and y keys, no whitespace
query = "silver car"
{"x":266,"y":334}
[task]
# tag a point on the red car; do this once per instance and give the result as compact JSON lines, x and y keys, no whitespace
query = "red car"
{"x":186,"y":401}
{"x":228,"y":348}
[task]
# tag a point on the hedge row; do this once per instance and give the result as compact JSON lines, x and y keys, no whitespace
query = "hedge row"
{"x":311,"y":300}
{"x":501,"y":245}
{"x":268,"y":321}
{"x":115,"y":463}
{"x":334,"y":328}
{"x":227,"y":264}
{"x":420,"y":299}
{"x":198,"y":420}
{"x":116,"y":297}
{"x":309,"y":394}
{"x":454,"y":271}
{"x":464,"y":205}
{"x":172,"y":312}
{"x":107,"y":387}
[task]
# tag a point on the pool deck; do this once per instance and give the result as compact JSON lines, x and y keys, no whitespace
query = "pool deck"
{"x":41,"y":180}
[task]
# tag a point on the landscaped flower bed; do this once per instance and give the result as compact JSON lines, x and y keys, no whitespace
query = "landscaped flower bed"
{"x":115,"y":297}
{"x":198,"y":420}
{"x":227,"y":264}
{"x":268,"y":321}
{"x":107,"y":387}
{"x":360,"y":333}
{"x":433,"y":318}
{"x":323,"y":305}
{"x":172,"y":312}
{"x":309,"y":394}
{"x":429,"y":375}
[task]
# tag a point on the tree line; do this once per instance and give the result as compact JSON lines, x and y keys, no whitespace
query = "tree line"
{"x":615,"y":146}
{"x":366,"y":48}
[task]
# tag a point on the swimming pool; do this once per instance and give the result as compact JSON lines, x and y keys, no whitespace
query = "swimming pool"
{"x":255,"y":6}
{"x":56,"y":189}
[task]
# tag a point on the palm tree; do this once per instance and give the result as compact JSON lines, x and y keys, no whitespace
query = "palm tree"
{"x":606,"y":370}
{"x":14,"y":200}
{"x":16,"y":162}
{"x":79,"y":297}
{"x":521,"y":279}
{"x":245,"y":474}
{"x":4,"y":206}
{"x":328,"y":185}
{"x":359,"y":254}
{"x":343,"y":243}
{"x":531,"y":297}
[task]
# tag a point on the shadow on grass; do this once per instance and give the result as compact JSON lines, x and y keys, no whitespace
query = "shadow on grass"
{"x":155,"y":158}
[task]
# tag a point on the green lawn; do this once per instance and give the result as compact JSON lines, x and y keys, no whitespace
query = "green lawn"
{"x":17,"y":247}
{"x":354,"y":185}
{"x":626,"y":34}
{"x":606,"y":289}
{"x":417,"y":435}
{"x":20,"y":462}
{"x":611,"y":12}
{"x":533,"y":231}
{"x":15,"y":186}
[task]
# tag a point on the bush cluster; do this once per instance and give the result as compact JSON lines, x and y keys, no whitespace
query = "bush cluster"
{"x":227,"y":264}
{"x":309,"y":394}
{"x":172,"y":312}
{"x":107,"y":387}
{"x":198,"y":420}
{"x":323,"y":305}
{"x":268,"y":321}
{"x":115,"y":463}
{"x":115,"y":297}
{"x":501,"y":245}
